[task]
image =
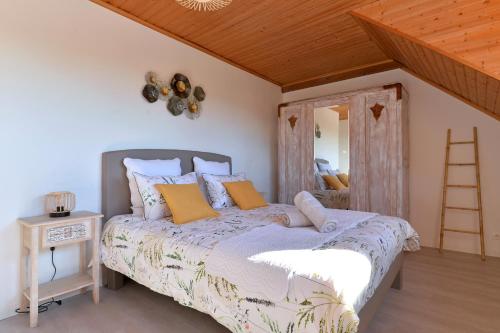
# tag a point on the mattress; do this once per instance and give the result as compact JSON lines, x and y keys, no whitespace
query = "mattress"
{"x":172,"y":260}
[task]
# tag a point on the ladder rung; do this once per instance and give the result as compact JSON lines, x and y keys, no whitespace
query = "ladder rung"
{"x":461,"y":164}
{"x":462,"y":208}
{"x":461,"y":142}
{"x":463,"y":231}
{"x":462,"y":186}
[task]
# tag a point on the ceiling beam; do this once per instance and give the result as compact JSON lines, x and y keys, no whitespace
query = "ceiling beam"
{"x":350,"y":73}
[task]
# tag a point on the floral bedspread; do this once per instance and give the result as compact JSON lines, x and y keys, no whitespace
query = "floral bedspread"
{"x":170,"y":259}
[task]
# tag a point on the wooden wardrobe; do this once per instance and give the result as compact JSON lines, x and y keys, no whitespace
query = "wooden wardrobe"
{"x":378,"y":148}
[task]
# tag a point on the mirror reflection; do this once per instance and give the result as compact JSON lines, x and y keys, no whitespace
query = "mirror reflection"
{"x":331,"y":156}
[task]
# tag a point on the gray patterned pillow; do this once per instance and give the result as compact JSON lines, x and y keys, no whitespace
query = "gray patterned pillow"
{"x":155,"y":206}
{"x":319,"y":182}
{"x":217,"y":194}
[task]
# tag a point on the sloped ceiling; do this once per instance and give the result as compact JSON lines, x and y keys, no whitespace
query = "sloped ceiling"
{"x":454,"y":45}
{"x":292,"y":43}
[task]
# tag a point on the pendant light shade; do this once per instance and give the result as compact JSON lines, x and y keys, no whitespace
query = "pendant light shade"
{"x":204,"y":5}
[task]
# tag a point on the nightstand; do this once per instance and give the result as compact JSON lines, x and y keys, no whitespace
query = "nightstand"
{"x":44,"y":232}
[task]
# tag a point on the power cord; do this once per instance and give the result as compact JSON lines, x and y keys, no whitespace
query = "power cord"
{"x":45,"y":306}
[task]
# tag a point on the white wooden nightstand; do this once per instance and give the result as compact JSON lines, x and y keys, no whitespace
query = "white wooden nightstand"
{"x":43,"y":232}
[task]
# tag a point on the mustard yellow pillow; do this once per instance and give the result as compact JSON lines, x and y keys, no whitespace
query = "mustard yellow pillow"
{"x":245,"y":195}
{"x":334,"y":182}
{"x":344,"y":178}
{"x":186,"y":202}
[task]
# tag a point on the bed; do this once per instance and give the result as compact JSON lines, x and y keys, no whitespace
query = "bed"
{"x":338,"y":199}
{"x":180,"y":260}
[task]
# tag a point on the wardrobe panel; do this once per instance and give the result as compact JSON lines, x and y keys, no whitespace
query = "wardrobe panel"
{"x":379,"y":152}
{"x":295,"y":151}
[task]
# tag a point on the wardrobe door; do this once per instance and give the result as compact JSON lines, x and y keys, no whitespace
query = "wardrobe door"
{"x":379,"y":153}
{"x":295,"y":150}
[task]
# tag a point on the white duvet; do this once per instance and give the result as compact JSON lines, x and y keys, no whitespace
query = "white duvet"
{"x":267,"y":258}
{"x":252,"y":274}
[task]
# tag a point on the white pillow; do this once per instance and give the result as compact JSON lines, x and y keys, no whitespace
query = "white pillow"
{"x":155,"y":206}
{"x":217,"y":194}
{"x":147,"y":168}
{"x":209,"y":167}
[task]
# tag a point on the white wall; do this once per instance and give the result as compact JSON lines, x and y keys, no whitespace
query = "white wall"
{"x":432,"y":112}
{"x":70,"y":89}
{"x":327,"y":147}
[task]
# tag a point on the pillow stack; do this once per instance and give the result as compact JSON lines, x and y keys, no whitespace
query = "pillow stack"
{"x":147,"y":168}
{"x":158,"y":190}
{"x":339,"y":181}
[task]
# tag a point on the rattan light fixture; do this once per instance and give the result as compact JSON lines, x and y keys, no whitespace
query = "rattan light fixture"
{"x":59,"y":204}
{"x":204,"y":5}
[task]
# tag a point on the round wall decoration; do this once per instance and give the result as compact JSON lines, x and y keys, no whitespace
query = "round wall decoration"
{"x":177,"y":105}
{"x":199,"y":93}
{"x":176,"y":94}
{"x":194,"y":108}
{"x":165,"y":91}
{"x":152,"y":78}
{"x":181,"y":85}
{"x":150,"y":93}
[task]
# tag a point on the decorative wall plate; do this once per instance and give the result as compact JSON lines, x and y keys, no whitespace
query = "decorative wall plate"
{"x":181,"y":85}
{"x":194,"y":108}
{"x":177,"y":105}
{"x":165,"y":91}
{"x":199,"y":93}
{"x":150,"y":93}
{"x":152,"y":78}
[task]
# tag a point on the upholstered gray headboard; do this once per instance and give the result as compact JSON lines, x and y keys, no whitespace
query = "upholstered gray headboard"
{"x":115,"y":189}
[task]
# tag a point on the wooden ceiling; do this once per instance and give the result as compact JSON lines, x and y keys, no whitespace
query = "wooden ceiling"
{"x":454,"y":45}
{"x":343,"y":111}
{"x":292,"y":43}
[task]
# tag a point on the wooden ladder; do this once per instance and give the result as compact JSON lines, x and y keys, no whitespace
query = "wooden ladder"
{"x":477,"y":186}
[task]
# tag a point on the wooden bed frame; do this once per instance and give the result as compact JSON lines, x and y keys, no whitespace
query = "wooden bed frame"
{"x":116,"y":201}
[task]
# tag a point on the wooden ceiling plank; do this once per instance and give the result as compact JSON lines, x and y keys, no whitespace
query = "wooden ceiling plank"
{"x":275,"y":46}
{"x":305,"y":70}
{"x":293,"y":39}
{"x":442,"y":72}
{"x":462,"y":80}
{"x":492,"y":92}
{"x":286,"y":23}
{"x":411,"y":58}
{"x":482,"y":86}
{"x":442,"y":21}
{"x":497,"y":102}
{"x":452,"y":93}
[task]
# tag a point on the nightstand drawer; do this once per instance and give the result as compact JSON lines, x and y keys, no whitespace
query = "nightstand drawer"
{"x":56,"y":235}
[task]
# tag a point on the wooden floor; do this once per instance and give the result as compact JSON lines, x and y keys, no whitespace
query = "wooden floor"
{"x":450,"y":293}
